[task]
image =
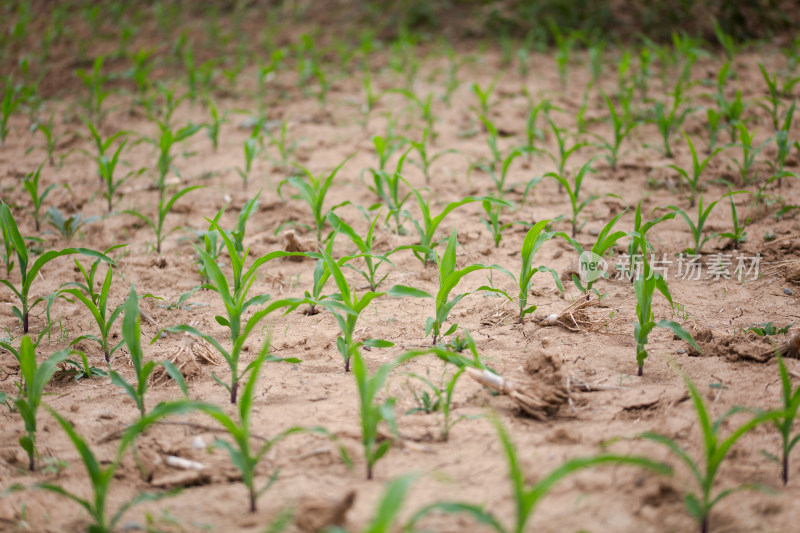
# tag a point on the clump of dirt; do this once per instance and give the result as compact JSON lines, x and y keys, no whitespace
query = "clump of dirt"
{"x":749,"y":346}
{"x":540,"y":393}
{"x":187,"y":357}
{"x":316,"y":514}
{"x":291,"y":243}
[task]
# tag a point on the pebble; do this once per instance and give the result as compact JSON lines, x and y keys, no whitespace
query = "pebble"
{"x":681,"y":351}
{"x":787,"y":292}
{"x":198,"y":443}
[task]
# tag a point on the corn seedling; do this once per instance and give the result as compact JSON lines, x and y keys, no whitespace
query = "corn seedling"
{"x":534,"y":240}
{"x":715,"y":449}
{"x":621,"y":127}
{"x":163,"y":209}
{"x":7,"y":106}
{"x":250,"y":152}
{"x":731,"y":111}
{"x":484,"y":97}
{"x":373,"y":412}
{"x":68,"y":226}
{"x":131,"y":334}
{"x":693,"y":179}
{"x":80,"y":369}
{"x":696,"y":228}
{"x":783,"y":144}
{"x":605,"y":240}
{"x":500,"y":181}
{"x":669,"y":121}
{"x":425,"y":159}
{"x":427,"y":229}
{"x":35,"y":378}
{"x":749,"y":153}
{"x":31,"y":184}
{"x":101,"y":477}
{"x":386,"y":185}
{"x":639,"y":235}
{"x":785,"y":422}
{"x":564,"y":151}
{"x":346,"y":306}
{"x":94,"y":80}
{"x":164,"y":144}
{"x":140,"y":72}
{"x":526,"y":496}
{"x":103,"y":146}
{"x":574,"y":190}
{"x":97,"y":304}
{"x":312,"y":190}
{"x":532,"y":132}
{"x":738,"y":234}
{"x":449,"y":277}
{"x":492,"y":141}
{"x":425,"y":108}
{"x":51,"y":139}
{"x":644,"y":287}
{"x":564,"y":45}
{"x":216,"y":122}
{"x":28,"y":275}
{"x":234,"y":296}
{"x":372,"y":260}
{"x":493,"y":224}
{"x":282,"y":143}
{"x":242,"y":453}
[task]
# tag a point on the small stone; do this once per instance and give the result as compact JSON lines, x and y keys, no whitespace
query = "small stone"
{"x":198,"y":443}
{"x":787,"y":292}
{"x":594,"y":232}
{"x":681,"y":351}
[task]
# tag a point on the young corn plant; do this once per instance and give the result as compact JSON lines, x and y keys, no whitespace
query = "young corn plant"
{"x":35,"y":378}
{"x":785,"y":422}
{"x":312,"y":190}
{"x":492,"y":136}
{"x":670,"y":121}
{"x":31,"y":184}
{"x":639,"y":235}
{"x":214,"y":126}
{"x":346,"y":306}
{"x":693,"y":179}
{"x":67,"y":226}
{"x":621,"y":127}
{"x":164,"y":144}
{"x":605,"y":240}
{"x":564,"y":151}
{"x":234,"y":296}
{"x":131,"y":334}
{"x":696,"y":228}
{"x":427,"y":229}
{"x":107,"y":168}
{"x":29,"y":273}
{"x":164,"y":207}
{"x":8,"y":104}
{"x":534,"y":239}
{"x":51,"y":139}
{"x":493,"y":224}
{"x":372,"y":411}
{"x":783,"y":144}
{"x":251,"y":150}
{"x":426,"y":159}
{"x":102,"y":145}
{"x":749,"y":154}
{"x":282,"y":143}
{"x":500,"y":181}
{"x":484,"y":97}
{"x":101,"y":477}
{"x":532,"y":132}
{"x":738,"y":234}
{"x":715,"y":449}
{"x":94,"y":80}
{"x":645,"y":287}
{"x":372,"y":260}
{"x":97,"y":304}
{"x":449,"y":277}
{"x":574,"y":190}
{"x":730,"y":110}
{"x":527,"y":496}
{"x":386,"y":185}
{"x":244,"y":456}
{"x":772,"y":103}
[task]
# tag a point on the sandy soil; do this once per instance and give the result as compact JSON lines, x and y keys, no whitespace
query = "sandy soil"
{"x":471,"y":466}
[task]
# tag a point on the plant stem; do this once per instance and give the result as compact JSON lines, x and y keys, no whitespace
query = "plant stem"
{"x":234,"y":390}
